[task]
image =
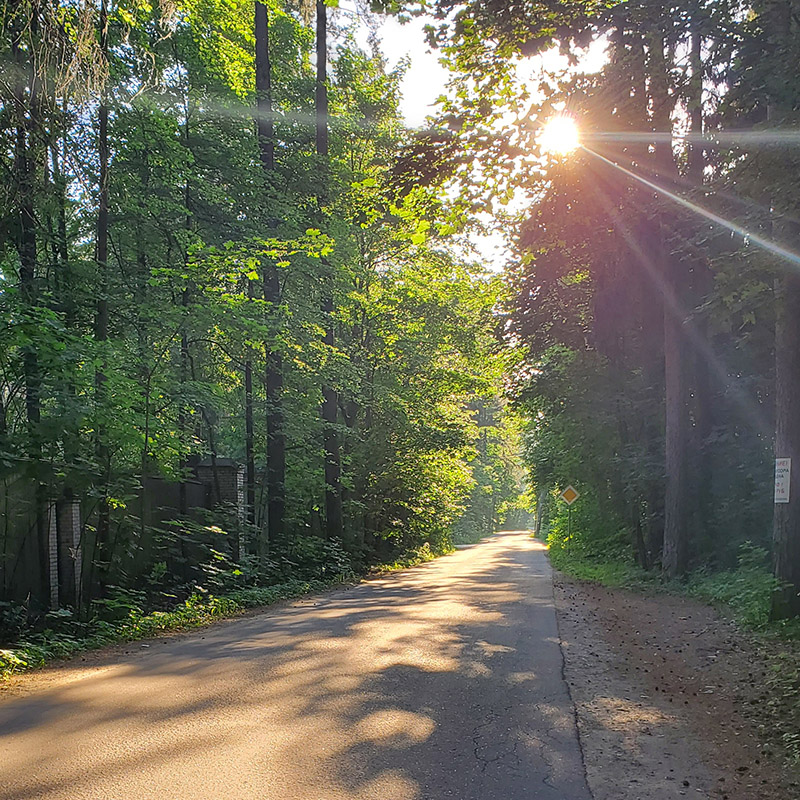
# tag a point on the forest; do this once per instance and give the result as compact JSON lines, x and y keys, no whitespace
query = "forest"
{"x":657,"y":294}
{"x":245,"y":339}
{"x":236,"y":349}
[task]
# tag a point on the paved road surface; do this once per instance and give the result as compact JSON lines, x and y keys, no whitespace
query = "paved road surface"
{"x":444,"y":681}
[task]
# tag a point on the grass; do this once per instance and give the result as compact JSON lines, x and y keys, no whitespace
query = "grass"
{"x":617,"y":574}
{"x":39,"y":649}
{"x":743,"y":594}
{"x":49,"y":645}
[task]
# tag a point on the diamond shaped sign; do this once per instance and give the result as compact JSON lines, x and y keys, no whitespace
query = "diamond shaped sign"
{"x":570,"y":495}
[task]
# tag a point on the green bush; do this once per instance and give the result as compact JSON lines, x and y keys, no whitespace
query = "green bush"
{"x":199,"y":609}
{"x":313,"y":558}
{"x":746,"y":590}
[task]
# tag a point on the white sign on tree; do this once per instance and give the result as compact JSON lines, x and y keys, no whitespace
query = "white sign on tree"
{"x":783,"y":479}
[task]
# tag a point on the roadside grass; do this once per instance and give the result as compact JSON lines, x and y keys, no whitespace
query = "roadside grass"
{"x":410,"y":559}
{"x":742,"y":594}
{"x":39,"y":649}
{"x":616,"y":574}
{"x":66,"y":638}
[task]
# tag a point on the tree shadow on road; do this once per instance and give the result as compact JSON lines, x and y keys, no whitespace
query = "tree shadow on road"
{"x":443,"y":681}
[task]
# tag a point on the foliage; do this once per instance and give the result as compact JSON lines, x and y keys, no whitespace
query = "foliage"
{"x":413,"y":558}
{"x":744,"y":592}
{"x":313,"y":558}
{"x":67,"y":639}
{"x":782,"y":702}
{"x":121,"y":617}
{"x":747,"y":590}
{"x":645,"y":333}
{"x":614,"y":573}
{"x":237,"y":290}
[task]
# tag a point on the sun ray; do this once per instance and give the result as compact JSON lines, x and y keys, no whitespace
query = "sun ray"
{"x":760,"y":241}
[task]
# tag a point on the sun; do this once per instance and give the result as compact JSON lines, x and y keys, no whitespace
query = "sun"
{"x":559,"y":135}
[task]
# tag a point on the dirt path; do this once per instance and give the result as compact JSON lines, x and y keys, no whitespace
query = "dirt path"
{"x":662,"y":685}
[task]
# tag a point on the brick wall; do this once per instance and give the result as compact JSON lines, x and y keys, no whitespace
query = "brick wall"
{"x":70,"y":561}
{"x":229,"y":481}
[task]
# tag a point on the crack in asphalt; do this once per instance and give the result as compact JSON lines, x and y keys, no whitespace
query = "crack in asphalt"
{"x":400,"y":688}
{"x":572,"y":703}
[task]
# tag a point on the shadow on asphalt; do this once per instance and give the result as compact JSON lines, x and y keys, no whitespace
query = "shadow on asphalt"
{"x":443,"y":681}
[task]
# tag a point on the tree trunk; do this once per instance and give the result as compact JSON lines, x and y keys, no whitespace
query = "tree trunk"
{"x":675,"y":553}
{"x":264,"y":123}
{"x":186,"y":296}
{"x":334,"y":523}
{"x":786,"y":530}
{"x":250,"y":464}
{"x":26,"y":103}
{"x":66,"y":289}
{"x":696,"y":160}
{"x":102,"y":542}
{"x":276,"y":439}
{"x":321,"y":95}
{"x":273,"y":359}
{"x":183,"y":505}
{"x":675,"y":557}
{"x":701,"y":284}
{"x":782,"y":25}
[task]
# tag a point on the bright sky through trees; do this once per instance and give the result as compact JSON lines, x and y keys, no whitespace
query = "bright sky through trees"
{"x":559,"y":135}
{"x":425,"y":78}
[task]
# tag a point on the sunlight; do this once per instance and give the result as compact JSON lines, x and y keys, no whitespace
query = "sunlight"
{"x":559,"y":135}
{"x":746,"y":234}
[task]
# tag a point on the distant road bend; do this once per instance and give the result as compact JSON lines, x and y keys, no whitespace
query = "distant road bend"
{"x":444,"y":681}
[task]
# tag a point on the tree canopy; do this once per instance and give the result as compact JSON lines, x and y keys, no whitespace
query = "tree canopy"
{"x":242,"y":343}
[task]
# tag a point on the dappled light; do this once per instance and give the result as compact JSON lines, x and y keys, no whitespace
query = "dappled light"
{"x":361,"y":688}
{"x":378,"y":380}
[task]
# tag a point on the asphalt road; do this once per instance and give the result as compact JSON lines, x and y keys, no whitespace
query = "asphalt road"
{"x":444,"y":681}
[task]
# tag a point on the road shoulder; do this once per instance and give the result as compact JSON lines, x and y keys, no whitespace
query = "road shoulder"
{"x":661,"y":685}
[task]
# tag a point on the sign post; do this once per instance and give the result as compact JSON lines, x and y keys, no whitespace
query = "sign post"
{"x":569,"y":496}
{"x":783,"y":479}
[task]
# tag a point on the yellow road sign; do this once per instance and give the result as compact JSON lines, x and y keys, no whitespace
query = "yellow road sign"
{"x":570,"y":495}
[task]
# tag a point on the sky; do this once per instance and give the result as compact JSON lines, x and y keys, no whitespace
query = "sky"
{"x":426,"y":79}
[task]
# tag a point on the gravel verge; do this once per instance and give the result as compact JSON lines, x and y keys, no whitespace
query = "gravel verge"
{"x":662,"y":686}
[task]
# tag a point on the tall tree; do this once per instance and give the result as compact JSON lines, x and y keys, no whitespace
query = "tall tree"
{"x":276,"y":439}
{"x":781,"y":28}
{"x":24,"y":23}
{"x":334,"y":522}
{"x":103,"y":532}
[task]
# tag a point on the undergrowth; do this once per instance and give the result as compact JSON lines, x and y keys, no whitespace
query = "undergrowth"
{"x":66,"y":637}
{"x":617,"y":574}
{"x":411,"y":559}
{"x":48,"y":645}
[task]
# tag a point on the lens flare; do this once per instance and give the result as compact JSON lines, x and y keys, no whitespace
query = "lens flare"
{"x":559,"y":136}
